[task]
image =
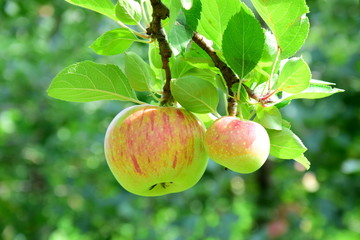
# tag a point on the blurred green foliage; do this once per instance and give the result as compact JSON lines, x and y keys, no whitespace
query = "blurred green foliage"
{"x":54,"y":181}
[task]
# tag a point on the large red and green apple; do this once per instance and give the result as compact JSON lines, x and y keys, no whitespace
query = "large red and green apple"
{"x":154,"y":150}
{"x":241,"y":146}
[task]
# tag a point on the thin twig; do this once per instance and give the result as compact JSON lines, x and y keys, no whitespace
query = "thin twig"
{"x":251,"y":93}
{"x":155,"y":30}
{"x":132,"y":30}
{"x":141,"y":26}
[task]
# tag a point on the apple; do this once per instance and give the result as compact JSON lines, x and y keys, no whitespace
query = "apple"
{"x":154,"y":151}
{"x":241,"y":146}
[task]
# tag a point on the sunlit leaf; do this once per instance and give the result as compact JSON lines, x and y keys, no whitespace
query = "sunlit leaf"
{"x":206,"y":118}
{"x":303,"y":161}
{"x":288,"y":22}
{"x":198,"y":57}
{"x":179,"y":38}
{"x":269,"y":53}
{"x":154,"y":55}
{"x":192,"y":15}
{"x":88,"y":81}
{"x":269,"y":117}
{"x":174,"y":9}
{"x":294,"y":76}
{"x":285,"y":144}
{"x":215,"y":15}
{"x":141,"y":76}
{"x":105,"y":7}
{"x":113,"y":42}
{"x":316,"y":81}
{"x":180,"y":68}
{"x":243,"y":43}
{"x":314,"y":91}
{"x":204,"y":74}
{"x":246,"y":110}
{"x":195,"y":94}
{"x":128,"y":12}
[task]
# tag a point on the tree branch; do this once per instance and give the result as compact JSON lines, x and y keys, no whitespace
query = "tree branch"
{"x":161,"y":12}
{"x":229,"y":76}
{"x":227,"y":73}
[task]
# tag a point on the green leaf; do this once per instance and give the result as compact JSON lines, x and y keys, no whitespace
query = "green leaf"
{"x":141,"y":76}
{"x":197,"y":57}
{"x":154,"y":55}
{"x":244,"y":96}
{"x":88,"y":81}
{"x":269,"y":117}
{"x":282,"y":104}
{"x":269,"y":53}
{"x":221,"y":84}
{"x":245,"y":110}
{"x":257,"y":76}
{"x":114,"y":42}
{"x":195,"y":94}
{"x":286,"y":124}
{"x":105,"y":7}
{"x":192,"y":15}
{"x":288,"y":22}
{"x":316,"y":81}
{"x":294,"y":76}
{"x":128,"y":12}
{"x":215,"y":16}
{"x":243,"y":43}
{"x":206,"y":118}
{"x":303,"y":161}
{"x":205,"y":74}
{"x":314,"y":91}
{"x":180,"y":68}
{"x":174,"y":8}
{"x":285,"y":144}
{"x":179,"y":38}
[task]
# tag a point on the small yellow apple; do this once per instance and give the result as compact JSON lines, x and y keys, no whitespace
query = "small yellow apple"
{"x":241,"y":146}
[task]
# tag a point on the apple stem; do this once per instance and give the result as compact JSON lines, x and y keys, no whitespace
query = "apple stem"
{"x":156,"y":31}
{"x":132,"y":30}
{"x":239,"y":112}
{"x":251,"y":93}
{"x":231,"y":104}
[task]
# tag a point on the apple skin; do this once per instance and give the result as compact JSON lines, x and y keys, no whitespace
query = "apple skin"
{"x":241,"y":146}
{"x":154,"y":151}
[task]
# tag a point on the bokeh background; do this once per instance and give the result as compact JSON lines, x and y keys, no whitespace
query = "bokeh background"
{"x":54,"y":181}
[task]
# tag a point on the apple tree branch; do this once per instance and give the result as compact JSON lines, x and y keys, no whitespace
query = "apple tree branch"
{"x":156,"y":31}
{"x":229,"y":76}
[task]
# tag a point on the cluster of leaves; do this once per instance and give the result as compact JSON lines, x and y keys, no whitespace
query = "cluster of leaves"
{"x":267,"y":75}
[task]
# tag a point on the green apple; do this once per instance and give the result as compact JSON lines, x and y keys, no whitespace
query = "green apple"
{"x":241,"y":146}
{"x":154,"y":151}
